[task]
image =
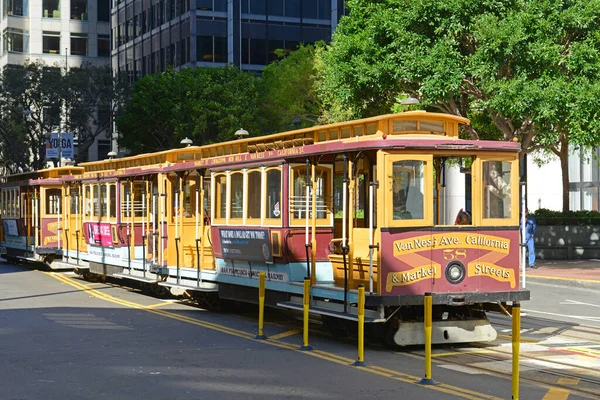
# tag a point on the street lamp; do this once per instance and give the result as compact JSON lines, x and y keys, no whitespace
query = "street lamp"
{"x":240,"y":133}
{"x":409,"y":101}
{"x":111,"y":154}
{"x":187,"y":142}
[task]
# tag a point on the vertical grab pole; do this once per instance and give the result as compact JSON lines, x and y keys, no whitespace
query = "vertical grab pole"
{"x":261,"y":305}
{"x":305,"y":346}
{"x":516,"y":346}
{"x":344,"y":247}
{"x":144,"y":233}
{"x":307,"y":243}
{"x":428,"y":308}
{"x":523,"y":236}
{"x":77,"y":211}
{"x":198,"y":273}
{"x":360,"y":362}
{"x":177,"y":218}
{"x":371,"y":228}
{"x":129,"y":211}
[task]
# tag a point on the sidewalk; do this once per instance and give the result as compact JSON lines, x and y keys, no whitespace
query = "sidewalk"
{"x":583,"y":273}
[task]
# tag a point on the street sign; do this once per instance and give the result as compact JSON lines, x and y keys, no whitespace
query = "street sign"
{"x":67,"y":145}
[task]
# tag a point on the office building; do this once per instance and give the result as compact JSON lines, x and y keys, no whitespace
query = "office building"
{"x":150,"y":35}
{"x":58,"y":32}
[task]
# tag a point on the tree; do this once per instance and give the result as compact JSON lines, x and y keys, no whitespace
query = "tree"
{"x":30,"y":101}
{"x":93,"y":98}
{"x":530,"y":68}
{"x":206,"y":105}
{"x":288,"y":92}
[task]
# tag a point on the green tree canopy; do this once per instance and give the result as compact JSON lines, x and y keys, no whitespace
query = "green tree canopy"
{"x":530,"y":68}
{"x":206,"y":105}
{"x":92,"y":97}
{"x":30,"y":103}
{"x":288,"y":90}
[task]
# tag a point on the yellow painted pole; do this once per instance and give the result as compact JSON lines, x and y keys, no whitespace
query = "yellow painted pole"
{"x":305,"y":345}
{"x":261,"y":305}
{"x":428,"y":310}
{"x":516,"y":345}
{"x":361,"y":327}
{"x":313,"y":235}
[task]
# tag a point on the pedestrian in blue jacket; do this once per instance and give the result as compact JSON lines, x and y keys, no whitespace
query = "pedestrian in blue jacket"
{"x":530,"y":228}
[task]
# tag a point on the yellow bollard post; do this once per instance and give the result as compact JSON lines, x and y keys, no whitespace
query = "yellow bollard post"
{"x":516,"y":345}
{"x":427,"y":322}
{"x":361,"y":327}
{"x":261,"y":305}
{"x":305,"y":345}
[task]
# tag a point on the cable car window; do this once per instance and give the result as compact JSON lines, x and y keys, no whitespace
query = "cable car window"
{"x":104,"y":200}
{"x":188,"y":186}
{"x":322,"y":189}
{"x":139,"y":208}
{"x":125,"y":200}
{"x":407,"y":184}
{"x":221,"y":195}
{"x":237,"y":195}
{"x":113,"y":200}
{"x":75,"y":200}
{"x":88,"y":200}
{"x":95,"y":201}
{"x":496,"y":189}
{"x":53,"y":203}
{"x":274,"y":194}
{"x":206,"y":200}
{"x":254,"y":194}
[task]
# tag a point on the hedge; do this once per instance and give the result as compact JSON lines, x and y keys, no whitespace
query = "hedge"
{"x":548,"y":217}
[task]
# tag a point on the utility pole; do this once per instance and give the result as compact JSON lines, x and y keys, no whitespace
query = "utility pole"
{"x":64,"y":112}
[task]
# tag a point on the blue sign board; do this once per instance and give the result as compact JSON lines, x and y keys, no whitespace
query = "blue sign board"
{"x":67,"y":145}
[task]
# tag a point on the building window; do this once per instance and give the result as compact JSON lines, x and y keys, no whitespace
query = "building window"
{"x":258,"y":51}
{"x":273,"y":46}
{"x":15,"y":7}
{"x":79,"y":44}
{"x":15,"y":40}
{"x":103,"y":46}
{"x":79,"y":10}
{"x":211,"y":5}
{"x":51,"y":42}
{"x":103,"y":149}
{"x":211,"y":49}
{"x":254,"y":7}
{"x":292,"y":8}
{"x":51,"y":8}
{"x":103,"y":10}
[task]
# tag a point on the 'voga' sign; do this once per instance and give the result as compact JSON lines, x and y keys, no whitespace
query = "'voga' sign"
{"x":66,"y":144}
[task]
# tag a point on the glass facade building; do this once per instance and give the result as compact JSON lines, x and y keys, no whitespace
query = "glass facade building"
{"x":148,"y":36}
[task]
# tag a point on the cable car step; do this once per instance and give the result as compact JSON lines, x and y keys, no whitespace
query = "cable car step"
{"x":136,"y":278}
{"x":67,"y":265}
{"x":30,"y":259}
{"x":352,"y":314}
{"x":204,"y":286}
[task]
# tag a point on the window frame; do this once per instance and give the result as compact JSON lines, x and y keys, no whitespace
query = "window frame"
{"x":328,"y":197}
{"x":388,"y":192}
{"x":478,"y":197}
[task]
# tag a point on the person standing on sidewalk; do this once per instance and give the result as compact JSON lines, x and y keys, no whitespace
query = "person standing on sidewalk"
{"x":530,"y":228}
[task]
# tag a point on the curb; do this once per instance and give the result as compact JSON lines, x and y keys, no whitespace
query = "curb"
{"x":569,"y":282}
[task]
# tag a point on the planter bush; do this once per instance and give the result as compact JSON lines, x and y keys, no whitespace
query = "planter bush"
{"x":578,"y":218}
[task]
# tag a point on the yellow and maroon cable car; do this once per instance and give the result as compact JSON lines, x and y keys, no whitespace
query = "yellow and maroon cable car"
{"x":31,"y":211}
{"x":398,"y":203}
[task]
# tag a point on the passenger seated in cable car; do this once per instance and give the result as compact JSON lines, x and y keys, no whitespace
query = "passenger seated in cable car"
{"x":463,"y":218}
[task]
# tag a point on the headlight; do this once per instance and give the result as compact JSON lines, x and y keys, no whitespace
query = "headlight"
{"x":455,"y":272}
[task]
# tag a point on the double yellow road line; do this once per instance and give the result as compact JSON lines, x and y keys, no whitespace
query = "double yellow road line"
{"x":274,"y":341}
